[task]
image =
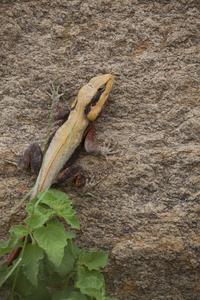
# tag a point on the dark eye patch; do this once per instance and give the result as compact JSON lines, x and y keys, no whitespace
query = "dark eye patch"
{"x":98,"y":95}
{"x":95,"y":98}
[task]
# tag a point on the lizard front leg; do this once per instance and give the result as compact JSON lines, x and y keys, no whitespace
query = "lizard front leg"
{"x":92,"y":147}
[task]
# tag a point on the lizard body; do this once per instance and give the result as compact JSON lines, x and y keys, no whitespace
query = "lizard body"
{"x":85,"y":109}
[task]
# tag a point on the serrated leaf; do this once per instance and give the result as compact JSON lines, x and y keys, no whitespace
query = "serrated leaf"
{"x":4,"y":247}
{"x":30,"y":208}
{"x":38,"y":216}
{"x":30,"y":263}
{"x":7,"y":246}
{"x":52,"y":239}
{"x":91,"y":283}
{"x":70,"y":218}
{"x":70,"y":235}
{"x":93,"y":260}
{"x":39,"y":197}
{"x":55,"y":199}
{"x":62,"y":206}
{"x":19,"y":231}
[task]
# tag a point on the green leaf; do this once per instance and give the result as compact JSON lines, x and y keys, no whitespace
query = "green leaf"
{"x":9,"y":245}
{"x":41,"y":293}
{"x":49,"y":276}
{"x":77,"y":296}
{"x":30,"y":207}
{"x":70,"y":235}
{"x":30,"y":263}
{"x":4,"y":247}
{"x":67,"y":263}
{"x":26,"y":291}
{"x":69,"y":294}
{"x":75,"y":250}
{"x":37,"y":216}
{"x":61,"y":295}
{"x":52,"y":239}
{"x":59,"y":195}
{"x":19,"y":231}
{"x":61,"y":205}
{"x":70,"y":218}
{"x":94,"y":260}
{"x":23,"y":286}
{"x":55,"y":199}
{"x":91,"y":283}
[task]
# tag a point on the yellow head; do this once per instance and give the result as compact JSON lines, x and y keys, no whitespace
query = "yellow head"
{"x":92,"y":96}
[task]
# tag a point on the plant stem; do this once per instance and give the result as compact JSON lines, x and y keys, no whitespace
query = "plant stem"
{"x":40,"y":198}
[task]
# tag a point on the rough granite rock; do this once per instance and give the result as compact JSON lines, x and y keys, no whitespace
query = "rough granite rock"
{"x":144,"y":208}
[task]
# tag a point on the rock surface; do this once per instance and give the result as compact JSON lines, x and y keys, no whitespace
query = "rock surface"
{"x":144,"y":208}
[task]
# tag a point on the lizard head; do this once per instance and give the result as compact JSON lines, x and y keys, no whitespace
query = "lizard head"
{"x":92,"y":96}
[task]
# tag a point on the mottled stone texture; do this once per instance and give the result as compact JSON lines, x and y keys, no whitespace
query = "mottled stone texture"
{"x":144,"y":208}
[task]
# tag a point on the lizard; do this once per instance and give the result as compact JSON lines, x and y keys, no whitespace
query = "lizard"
{"x":77,"y":127}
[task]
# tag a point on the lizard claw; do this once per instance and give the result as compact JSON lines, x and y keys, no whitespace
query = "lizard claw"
{"x":54,"y":93}
{"x":108,"y":149}
{"x":91,"y":182}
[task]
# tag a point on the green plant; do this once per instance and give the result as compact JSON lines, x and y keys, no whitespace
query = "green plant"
{"x":50,"y":266}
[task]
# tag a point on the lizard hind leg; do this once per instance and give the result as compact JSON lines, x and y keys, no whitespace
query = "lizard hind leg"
{"x":71,"y":174}
{"x":31,"y":159}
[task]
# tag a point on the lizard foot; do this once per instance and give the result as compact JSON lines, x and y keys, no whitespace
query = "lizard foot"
{"x":55,"y":93}
{"x":108,"y":148}
{"x":91,"y":182}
